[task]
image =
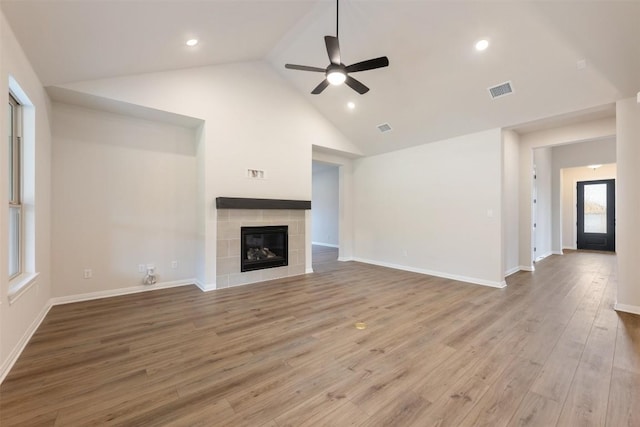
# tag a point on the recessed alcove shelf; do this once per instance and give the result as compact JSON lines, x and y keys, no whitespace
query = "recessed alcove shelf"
{"x":247,"y":203}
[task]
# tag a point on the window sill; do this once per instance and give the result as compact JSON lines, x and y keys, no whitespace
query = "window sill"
{"x":20,"y":285}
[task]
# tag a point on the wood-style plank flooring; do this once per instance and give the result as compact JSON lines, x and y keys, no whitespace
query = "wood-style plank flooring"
{"x":548,"y":350}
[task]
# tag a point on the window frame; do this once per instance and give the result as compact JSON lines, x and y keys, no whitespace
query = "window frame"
{"x":15,"y":183}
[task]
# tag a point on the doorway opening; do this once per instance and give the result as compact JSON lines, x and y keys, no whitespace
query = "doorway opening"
{"x":325,"y":213}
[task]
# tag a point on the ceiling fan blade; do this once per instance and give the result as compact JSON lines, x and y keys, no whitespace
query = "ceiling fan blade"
{"x":304,"y":68}
{"x":370,"y":64}
{"x":333,"y":49}
{"x":356,"y":85}
{"x":322,"y":86}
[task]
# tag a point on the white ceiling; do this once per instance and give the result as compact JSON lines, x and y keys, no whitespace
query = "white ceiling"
{"x":436,"y":84}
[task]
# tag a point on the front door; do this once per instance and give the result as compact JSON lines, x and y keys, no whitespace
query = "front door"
{"x":596,"y":215}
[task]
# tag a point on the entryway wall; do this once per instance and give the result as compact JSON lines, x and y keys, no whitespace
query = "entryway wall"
{"x":554,"y":213}
{"x":542,"y":228}
{"x":569,"y":178}
{"x":598,"y":129}
{"x":597,"y":151}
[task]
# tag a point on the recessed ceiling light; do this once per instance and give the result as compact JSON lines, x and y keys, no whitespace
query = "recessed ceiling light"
{"x":192,"y":42}
{"x":482,"y":44}
{"x":594,"y":167}
{"x":351,"y":105}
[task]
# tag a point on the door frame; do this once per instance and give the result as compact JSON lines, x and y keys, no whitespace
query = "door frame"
{"x":581,"y":236}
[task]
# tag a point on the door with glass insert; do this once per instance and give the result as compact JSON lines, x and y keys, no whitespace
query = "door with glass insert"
{"x":596,"y":215}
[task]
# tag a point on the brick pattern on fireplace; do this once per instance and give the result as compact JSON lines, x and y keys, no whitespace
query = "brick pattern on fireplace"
{"x":228,"y":244}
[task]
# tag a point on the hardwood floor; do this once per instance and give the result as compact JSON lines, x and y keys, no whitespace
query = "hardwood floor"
{"x":547,"y":350}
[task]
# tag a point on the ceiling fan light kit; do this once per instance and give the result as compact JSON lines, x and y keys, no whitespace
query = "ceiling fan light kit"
{"x":336,"y":77}
{"x":336,"y":72}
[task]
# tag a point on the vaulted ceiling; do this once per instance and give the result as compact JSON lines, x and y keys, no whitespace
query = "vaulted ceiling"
{"x":562,"y":58}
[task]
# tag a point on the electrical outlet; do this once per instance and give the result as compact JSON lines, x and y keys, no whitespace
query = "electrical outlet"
{"x":88,"y":274}
{"x":141,"y":268}
{"x":405,"y":252}
{"x":174,"y":264}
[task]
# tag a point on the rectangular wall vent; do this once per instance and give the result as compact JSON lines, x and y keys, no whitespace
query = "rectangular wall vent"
{"x":385,"y":127}
{"x":502,"y":89}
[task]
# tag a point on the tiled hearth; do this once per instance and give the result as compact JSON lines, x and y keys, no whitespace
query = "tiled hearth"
{"x":228,"y":244}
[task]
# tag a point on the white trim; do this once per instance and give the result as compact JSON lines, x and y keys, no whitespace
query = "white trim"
{"x":328,"y":245}
{"x":557,"y":253}
{"x":117,"y":292}
{"x":543,"y":256}
{"x":17,"y":350}
{"x":511,"y":271}
{"x":345,"y":258}
{"x":527,"y":268}
{"x":205,"y":287}
{"x":633,"y":309}
{"x":20,"y":285}
{"x":571,"y":248}
{"x":307,"y":271}
{"x":466,"y":279}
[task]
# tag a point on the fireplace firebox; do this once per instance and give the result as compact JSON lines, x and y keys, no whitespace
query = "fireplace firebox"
{"x":264,"y":247}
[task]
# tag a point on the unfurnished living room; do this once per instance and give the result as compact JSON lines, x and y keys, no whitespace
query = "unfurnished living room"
{"x":320,"y":212}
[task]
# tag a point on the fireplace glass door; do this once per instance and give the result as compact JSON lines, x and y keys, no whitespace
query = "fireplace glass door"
{"x":264,"y":247}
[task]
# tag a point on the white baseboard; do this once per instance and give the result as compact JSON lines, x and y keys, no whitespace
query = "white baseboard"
{"x":557,"y":253}
{"x":308,"y":271}
{"x":633,"y":309}
{"x":511,"y":271}
{"x":205,"y":287}
{"x":328,"y":245}
{"x":117,"y":292}
{"x":571,"y":248}
{"x":345,"y":258}
{"x":466,"y":279}
{"x":543,"y":256}
{"x":527,"y":268}
{"x":17,"y":350}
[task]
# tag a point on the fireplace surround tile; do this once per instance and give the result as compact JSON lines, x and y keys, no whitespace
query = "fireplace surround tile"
{"x":222,"y":248}
{"x":229,"y":222}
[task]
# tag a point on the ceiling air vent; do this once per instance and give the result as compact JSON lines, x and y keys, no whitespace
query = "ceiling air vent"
{"x":385,"y":127}
{"x":501,"y":90}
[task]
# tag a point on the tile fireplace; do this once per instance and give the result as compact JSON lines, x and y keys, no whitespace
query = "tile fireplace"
{"x":235,"y":263}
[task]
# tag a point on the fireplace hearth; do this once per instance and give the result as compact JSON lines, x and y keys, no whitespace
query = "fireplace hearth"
{"x":263,"y":247}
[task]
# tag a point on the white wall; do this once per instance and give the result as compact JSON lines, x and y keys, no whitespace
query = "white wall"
{"x":569,"y":179}
{"x":253,"y":119}
{"x":628,"y":205}
{"x":510,"y":179}
{"x":325,"y":205}
{"x":435,"y":208}
{"x":19,"y":318}
{"x":542,"y":232}
{"x":124,"y":195}
{"x":600,"y":151}
{"x":580,"y":132}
